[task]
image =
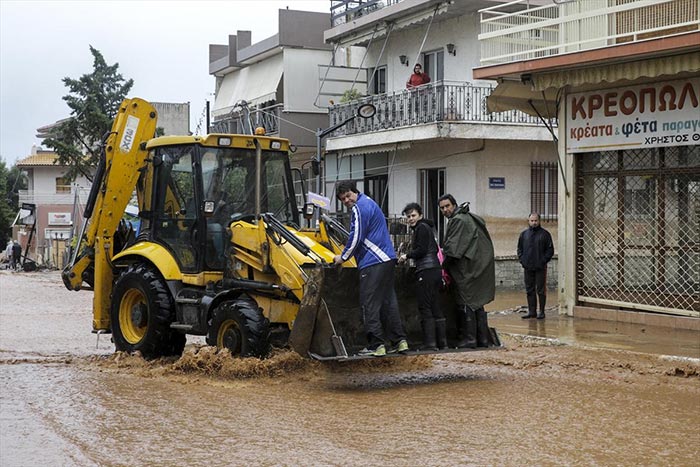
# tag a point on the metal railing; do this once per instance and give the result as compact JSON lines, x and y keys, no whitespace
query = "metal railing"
{"x":520,"y":30}
{"x":441,"y":101}
{"x":343,"y":11}
{"x":43,"y":198}
{"x":396,"y":223}
{"x":266,"y":117}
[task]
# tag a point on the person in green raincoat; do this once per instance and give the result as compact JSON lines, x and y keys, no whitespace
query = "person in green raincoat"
{"x":469,"y":259}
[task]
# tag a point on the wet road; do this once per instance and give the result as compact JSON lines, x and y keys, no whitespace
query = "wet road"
{"x":64,"y":402}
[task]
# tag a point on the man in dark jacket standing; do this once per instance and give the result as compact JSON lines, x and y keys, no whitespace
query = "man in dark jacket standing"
{"x":16,"y":255}
{"x":469,"y":258}
{"x":535,"y":250}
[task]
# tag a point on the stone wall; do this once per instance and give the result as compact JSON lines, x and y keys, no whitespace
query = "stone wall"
{"x":509,"y":272}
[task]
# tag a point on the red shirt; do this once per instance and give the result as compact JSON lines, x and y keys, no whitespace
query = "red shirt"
{"x":417,"y":79}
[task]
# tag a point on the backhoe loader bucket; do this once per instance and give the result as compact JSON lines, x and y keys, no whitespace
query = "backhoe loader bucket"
{"x":329,"y":324}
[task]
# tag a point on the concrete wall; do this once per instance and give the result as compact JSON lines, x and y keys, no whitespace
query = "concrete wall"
{"x":301,"y":80}
{"x":303,"y":28}
{"x":461,"y":31}
{"x":296,"y":129}
{"x":173,"y":118}
{"x":42,"y":182}
{"x":509,"y":273}
{"x":469,"y":164}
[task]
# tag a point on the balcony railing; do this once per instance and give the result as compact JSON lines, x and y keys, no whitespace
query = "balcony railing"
{"x":44,"y":198}
{"x":435,"y":102}
{"x":266,"y":117}
{"x":521,"y":31}
{"x":343,"y":11}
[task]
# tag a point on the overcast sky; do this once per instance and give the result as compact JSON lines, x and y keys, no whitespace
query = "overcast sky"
{"x":162,"y":45}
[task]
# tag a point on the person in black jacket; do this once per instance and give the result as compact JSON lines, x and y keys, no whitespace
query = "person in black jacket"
{"x":535,"y":249}
{"x":423,"y":251}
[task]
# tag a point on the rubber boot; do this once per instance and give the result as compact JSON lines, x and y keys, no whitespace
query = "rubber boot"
{"x":441,"y":333}
{"x":482,"y":328}
{"x":467,"y":329}
{"x":428,"y":326}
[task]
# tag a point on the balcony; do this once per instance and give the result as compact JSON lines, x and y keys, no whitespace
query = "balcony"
{"x":442,"y":101}
{"x":343,"y":11}
{"x":266,"y":117}
{"x":520,"y":30}
{"x":43,"y":198}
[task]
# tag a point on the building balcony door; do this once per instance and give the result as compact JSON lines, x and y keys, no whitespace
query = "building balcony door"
{"x":431,"y":185}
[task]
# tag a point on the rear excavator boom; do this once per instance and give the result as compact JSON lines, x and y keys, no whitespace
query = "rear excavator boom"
{"x":124,"y":153}
{"x":220,"y":250}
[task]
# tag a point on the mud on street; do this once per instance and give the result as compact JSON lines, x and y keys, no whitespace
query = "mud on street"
{"x":66,"y":401}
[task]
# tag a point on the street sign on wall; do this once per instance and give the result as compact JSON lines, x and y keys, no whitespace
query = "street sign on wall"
{"x":497,"y":183}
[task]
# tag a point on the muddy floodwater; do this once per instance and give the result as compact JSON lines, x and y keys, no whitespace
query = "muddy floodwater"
{"x":70,"y":401}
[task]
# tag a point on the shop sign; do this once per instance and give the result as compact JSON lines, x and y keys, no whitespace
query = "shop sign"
{"x":59,"y":218}
{"x":644,"y":116}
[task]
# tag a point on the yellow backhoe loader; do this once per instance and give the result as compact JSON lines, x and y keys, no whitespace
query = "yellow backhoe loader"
{"x":219,"y":250}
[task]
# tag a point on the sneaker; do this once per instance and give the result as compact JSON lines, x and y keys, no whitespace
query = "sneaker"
{"x":401,"y":347}
{"x":380,"y":351}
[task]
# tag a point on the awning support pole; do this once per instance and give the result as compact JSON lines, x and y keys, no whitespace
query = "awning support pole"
{"x":548,"y":124}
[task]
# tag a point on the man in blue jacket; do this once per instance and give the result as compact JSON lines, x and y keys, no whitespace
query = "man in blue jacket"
{"x":535,"y":250}
{"x":373,"y":250}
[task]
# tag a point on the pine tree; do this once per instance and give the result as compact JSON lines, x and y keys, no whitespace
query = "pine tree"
{"x":94,"y":100}
{"x":10,"y":181}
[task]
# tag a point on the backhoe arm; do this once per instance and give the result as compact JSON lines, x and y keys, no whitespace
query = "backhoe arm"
{"x":124,"y":154}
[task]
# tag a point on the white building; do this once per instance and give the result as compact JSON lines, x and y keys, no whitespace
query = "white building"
{"x":625,"y":76}
{"x":278,"y":77}
{"x":438,"y":138}
{"x":53,"y":195}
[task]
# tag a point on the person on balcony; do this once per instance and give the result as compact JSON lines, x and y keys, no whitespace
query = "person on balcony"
{"x":418,"y":78}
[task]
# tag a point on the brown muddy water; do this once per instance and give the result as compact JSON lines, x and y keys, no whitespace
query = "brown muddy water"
{"x":537,"y":402}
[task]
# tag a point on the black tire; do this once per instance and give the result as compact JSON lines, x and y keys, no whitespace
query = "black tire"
{"x":240,"y":327}
{"x":141,"y":313}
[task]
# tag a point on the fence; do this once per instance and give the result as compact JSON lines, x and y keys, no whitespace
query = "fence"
{"x":638,"y":228}
{"x":266,"y":117}
{"x":434,"y":102}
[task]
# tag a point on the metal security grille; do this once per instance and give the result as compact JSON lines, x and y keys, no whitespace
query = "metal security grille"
{"x":638,"y":229}
{"x":543,"y":190}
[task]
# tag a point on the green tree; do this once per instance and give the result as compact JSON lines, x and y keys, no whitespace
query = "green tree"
{"x":10,"y":181}
{"x":94,"y":100}
{"x":350,"y":95}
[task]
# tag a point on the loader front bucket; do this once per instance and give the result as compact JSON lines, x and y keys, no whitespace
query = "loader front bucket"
{"x":329,"y":323}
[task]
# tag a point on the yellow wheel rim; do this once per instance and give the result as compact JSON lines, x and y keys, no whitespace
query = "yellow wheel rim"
{"x":229,"y":336}
{"x":133,"y":316}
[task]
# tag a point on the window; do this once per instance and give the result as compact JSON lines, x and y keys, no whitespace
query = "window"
{"x":543,"y":189}
{"x":431,"y":185}
{"x":62,"y":185}
{"x":376,"y":188}
{"x":378,"y":82}
{"x":175,"y":212}
{"x":433,"y":64}
{"x":339,"y":168}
